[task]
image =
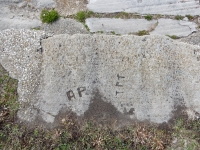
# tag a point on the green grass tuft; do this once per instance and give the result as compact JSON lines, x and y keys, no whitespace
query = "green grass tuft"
{"x":173,"y":37}
{"x":49,"y":16}
{"x":143,"y":32}
{"x":189,"y":17}
{"x":179,"y":17}
{"x":82,"y":15}
{"x":148,"y":17}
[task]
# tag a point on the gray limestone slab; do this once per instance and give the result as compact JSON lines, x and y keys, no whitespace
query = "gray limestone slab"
{"x":18,"y":18}
{"x":119,"y":26}
{"x":174,"y":27}
{"x":169,"y":7}
{"x":18,"y":23}
{"x":147,"y":78}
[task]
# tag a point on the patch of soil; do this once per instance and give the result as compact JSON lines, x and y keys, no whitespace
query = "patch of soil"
{"x":69,"y":7}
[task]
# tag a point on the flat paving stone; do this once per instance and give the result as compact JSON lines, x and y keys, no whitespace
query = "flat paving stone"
{"x":18,"y":23}
{"x":174,"y":27}
{"x":169,"y":7}
{"x":119,"y":26}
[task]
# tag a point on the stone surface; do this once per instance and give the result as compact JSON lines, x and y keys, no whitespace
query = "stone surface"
{"x":120,"y":26}
{"x":170,"y":7}
{"x":20,"y":54}
{"x":174,"y":27}
{"x":69,"y":7}
{"x":144,"y":78}
{"x":64,"y":26}
{"x":44,"y":3}
{"x":24,"y":15}
{"x":13,"y":16}
{"x":193,"y":39}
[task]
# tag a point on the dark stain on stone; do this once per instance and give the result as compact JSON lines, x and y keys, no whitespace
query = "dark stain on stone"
{"x":131,"y":111}
{"x":144,"y":39}
{"x":178,"y":112}
{"x":104,"y":112}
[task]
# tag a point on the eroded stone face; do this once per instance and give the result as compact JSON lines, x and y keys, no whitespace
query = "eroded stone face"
{"x":144,"y":78}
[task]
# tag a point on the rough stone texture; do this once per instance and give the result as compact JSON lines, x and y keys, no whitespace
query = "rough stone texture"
{"x":170,"y":7}
{"x":193,"y":39}
{"x":69,"y":7}
{"x":120,"y":26}
{"x":44,"y":3}
{"x":174,"y":27}
{"x":144,"y":78}
{"x":64,"y":26}
{"x":20,"y":54}
{"x":147,"y":78}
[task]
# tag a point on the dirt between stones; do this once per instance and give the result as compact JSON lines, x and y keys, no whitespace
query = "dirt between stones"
{"x":69,"y":7}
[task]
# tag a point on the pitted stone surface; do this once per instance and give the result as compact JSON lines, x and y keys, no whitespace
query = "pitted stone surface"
{"x":149,"y":76}
{"x":120,"y":26}
{"x":145,"y":78}
{"x":64,"y":26}
{"x":20,"y":54}
{"x":169,"y":7}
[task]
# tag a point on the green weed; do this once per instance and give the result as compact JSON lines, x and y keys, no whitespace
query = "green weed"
{"x":49,"y":16}
{"x":148,"y":17}
{"x":173,"y":37}
{"x":113,"y":32}
{"x":82,"y":15}
{"x":143,"y":32}
{"x":189,"y":17}
{"x":179,"y":17}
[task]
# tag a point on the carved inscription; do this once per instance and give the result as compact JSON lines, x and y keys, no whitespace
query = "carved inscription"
{"x":80,"y":90}
{"x":118,"y":84}
{"x":71,"y":95}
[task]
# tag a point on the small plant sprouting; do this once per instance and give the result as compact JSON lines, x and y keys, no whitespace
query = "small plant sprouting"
{"x":179,"y":17}
{"x":85,"y":25}
{"x":148,"y":17}
{"x":142,"y":32}
{"x":49,"y":16}
{"x":173,"y":37}
{"x":82,"y":15}
{"x":113,"y":32}
{"x":100,"y":32}
{"x":189,"y":17}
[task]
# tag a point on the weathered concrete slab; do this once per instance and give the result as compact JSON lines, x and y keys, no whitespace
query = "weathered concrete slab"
{"x":170,"y":7}
{"x":174,"y":27}
{"x":144,"y":78}
{"x":18,"y":23}
{"x":18,"y":18}
{"x":120,"y":26}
